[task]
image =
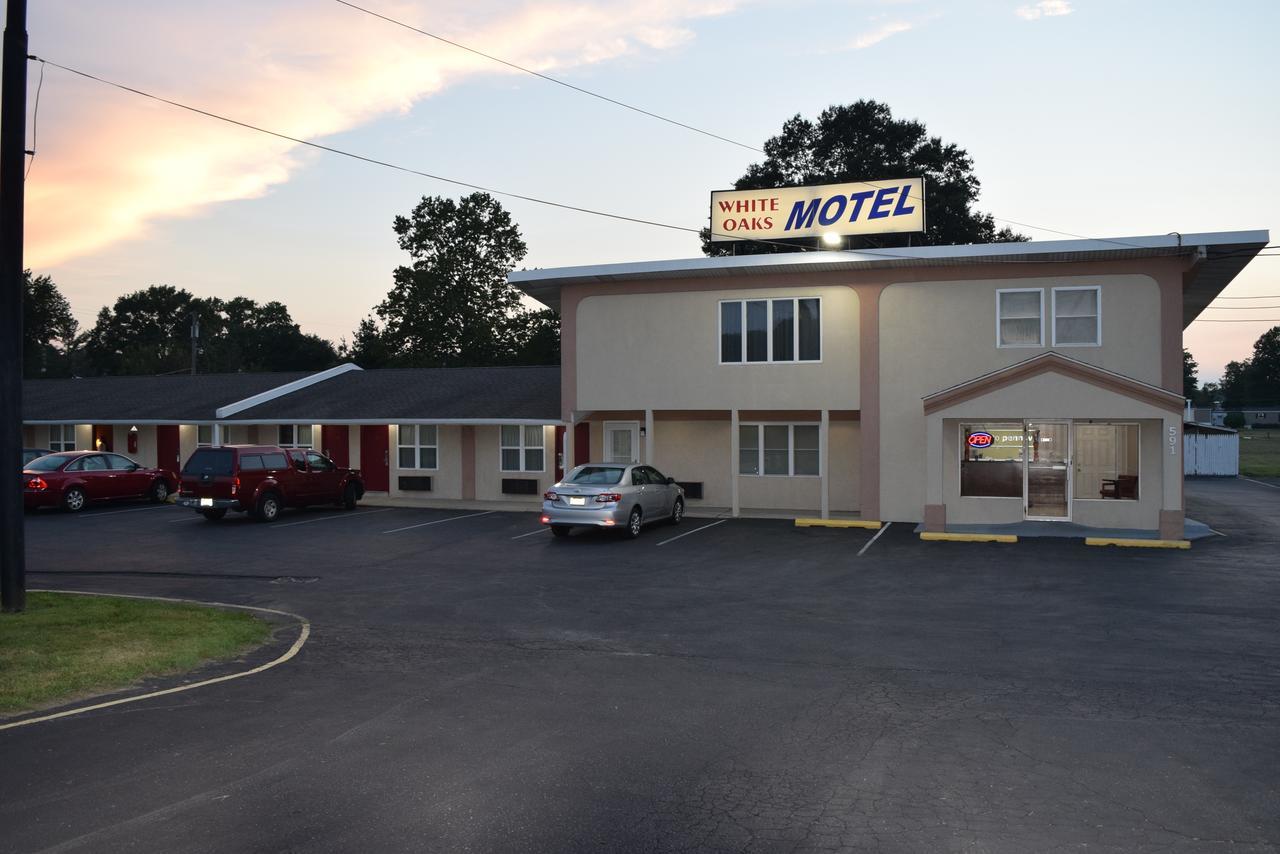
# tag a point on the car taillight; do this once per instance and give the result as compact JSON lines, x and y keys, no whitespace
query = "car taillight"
{"x":37,"y":483}
{"x":235,"y":485}
{"x":551,"y":495}
{"x":608,"y":497}
{"x":546,"y":519}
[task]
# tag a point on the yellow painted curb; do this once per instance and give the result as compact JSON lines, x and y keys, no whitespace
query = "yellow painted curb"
{"x":1137,"y":544}
{"x":968,"y":538}
{"x":837,"y":523}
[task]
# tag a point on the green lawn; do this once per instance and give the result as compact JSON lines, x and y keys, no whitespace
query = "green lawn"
{"x":66,"y":646}
{"x":1260,"y":453}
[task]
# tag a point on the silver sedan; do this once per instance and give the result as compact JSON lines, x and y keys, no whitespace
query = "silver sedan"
{"x":612,"y":495}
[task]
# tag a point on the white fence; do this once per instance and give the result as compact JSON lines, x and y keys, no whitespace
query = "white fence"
{"x":1211,"y":453}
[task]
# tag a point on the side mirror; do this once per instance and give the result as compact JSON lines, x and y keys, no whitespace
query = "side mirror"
{"x":134,"y":467}
{"x":671,"y":481}
{"x":299,"y":465}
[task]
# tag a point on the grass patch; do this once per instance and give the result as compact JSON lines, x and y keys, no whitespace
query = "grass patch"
{"x":64,"y":646}
{"x":1260,"y":453}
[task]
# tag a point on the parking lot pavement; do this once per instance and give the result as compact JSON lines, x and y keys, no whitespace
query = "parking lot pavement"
{"x":478,"y":684}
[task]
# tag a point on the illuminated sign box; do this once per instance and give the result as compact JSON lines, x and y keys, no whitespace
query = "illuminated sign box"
{"x":862,"y":207}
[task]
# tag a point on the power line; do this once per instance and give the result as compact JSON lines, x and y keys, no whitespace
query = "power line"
{"x":549,"y":78}
{"x":1261,"y":296}
{"x":35,"y":125}
{"x":1240,"y":307}
{"x":1237,"y":320}
{"x":879,"y":253}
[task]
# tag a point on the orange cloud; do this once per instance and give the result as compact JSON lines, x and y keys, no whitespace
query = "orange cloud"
{"x":109,"y":163}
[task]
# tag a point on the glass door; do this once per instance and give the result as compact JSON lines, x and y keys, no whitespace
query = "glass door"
{"x":1048,"y":470}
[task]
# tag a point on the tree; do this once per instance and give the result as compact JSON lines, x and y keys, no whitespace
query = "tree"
{"x":1190,"y":381}
{"x":48,"y":328}
{"x":452,"y":304}
{"x":149,"y":332}
{"x":1256,"y":380}
{"x":862,"y":141}
{"x":1234,"y":420}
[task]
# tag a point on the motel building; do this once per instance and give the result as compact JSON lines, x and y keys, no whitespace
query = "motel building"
{"x":962,"y":388}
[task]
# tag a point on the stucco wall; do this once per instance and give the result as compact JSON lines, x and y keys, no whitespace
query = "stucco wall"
{"x":696,"y":451}
{"x":673,"y":343}
{"x":446,"y":478}
{"x":844,"y":447}
{"x":938,"y":334}
{"x":489,"y":472}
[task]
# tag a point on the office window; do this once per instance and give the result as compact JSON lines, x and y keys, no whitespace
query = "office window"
{"x":295,"y":436}
{"x":1106,"y":461}
{"x":1077,"y":319}
{"x":1020,"y":318}
{"x":62,"y":437}
{"x":417,"y":446}
{"x":523,"y":447}
{"x":991,"y":460}
{"x":774,"y":330}
{"x":778,"y":450}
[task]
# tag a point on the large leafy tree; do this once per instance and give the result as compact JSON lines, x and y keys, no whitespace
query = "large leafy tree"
{"x":451,"y":305}
{"x":1190,"y":380}
{"x":1256,"y":380}
{"x":862,"y":141}
{"x":48,"y":328}
{"x":149,"y":332}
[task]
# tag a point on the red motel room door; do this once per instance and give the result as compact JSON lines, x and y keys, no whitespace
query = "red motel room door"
{"x":334,"y":443}
{"x":168,"y":449}
{"x":375,"y":462}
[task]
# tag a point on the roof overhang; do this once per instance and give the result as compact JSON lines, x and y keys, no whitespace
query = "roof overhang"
{"x":1055,"y":363}
{"x":1218,"y":257}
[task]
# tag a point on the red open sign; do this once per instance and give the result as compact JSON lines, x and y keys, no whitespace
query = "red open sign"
{"x":981,"y":439}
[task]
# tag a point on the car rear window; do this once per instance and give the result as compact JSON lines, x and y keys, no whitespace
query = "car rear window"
{"x":251,"y":462}
{"x":274,"y":462}
{"x":601,"y":475}
{"x":214,"y":461}
{"x":48,"y":463}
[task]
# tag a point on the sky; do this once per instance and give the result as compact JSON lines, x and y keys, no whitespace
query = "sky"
{"x":1103,"y":118}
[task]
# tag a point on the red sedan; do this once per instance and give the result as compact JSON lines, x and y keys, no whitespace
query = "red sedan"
{"x":74,"y":479}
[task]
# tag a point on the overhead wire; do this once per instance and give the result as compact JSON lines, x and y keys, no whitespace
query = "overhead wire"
{"x":35,"y":126}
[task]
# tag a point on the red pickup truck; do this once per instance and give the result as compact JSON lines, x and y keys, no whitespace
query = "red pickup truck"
{"x":263,"y":480}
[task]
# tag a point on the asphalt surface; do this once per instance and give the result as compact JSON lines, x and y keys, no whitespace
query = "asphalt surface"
{"x":748,"y":687}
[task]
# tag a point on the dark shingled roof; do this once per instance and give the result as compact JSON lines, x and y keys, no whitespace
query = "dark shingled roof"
{"x":394,"y":394}
{"x":180,"y":398}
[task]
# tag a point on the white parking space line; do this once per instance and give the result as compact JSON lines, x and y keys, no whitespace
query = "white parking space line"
{"x":694,"y":531}
{"x":116,"y":512}
{"x":1260,"y":483}
{"x":871,"y":541}
{"x":438,"y":521}
{"x":329,"y":517}
{"x":530,"y":534}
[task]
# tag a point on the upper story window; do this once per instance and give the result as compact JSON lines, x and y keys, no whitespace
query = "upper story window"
{"x":1020,"y":317}
{"x":771,"y":330}
{"x":1077,"y":318}
{"x":62,"y":437}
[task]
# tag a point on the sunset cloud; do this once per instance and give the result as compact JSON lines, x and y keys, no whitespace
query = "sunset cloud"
{"x":110,"y":163}
{"x":1044,"y":9}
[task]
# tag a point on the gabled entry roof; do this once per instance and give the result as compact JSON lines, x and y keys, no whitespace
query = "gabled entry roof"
{"x":1055,"y":363}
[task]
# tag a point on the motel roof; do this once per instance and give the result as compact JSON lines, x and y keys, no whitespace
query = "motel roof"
{"x":1222,"y":255}
{"x":344,"y":394}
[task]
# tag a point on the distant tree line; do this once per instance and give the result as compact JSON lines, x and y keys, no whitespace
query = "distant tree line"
{"x":1254,"y":381}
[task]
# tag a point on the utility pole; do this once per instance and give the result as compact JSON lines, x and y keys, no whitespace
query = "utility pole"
{"x":13,"y":152}
{"x":195,"y":340}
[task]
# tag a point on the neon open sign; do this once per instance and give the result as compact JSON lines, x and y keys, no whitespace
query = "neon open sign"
{"x":981,"y":439}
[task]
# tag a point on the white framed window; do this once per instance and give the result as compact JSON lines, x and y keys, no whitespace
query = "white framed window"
{"x":771,"y":330}
{"x":294,"y":436}
{"x":1077,"y":316}
{"x":523,"y":447}
{"x":417,"y":446}
{"x":62,"y":437}
{"x":1020,"y":317}
{"x":778,"y":450}
{"x":1107,"y":457}
{"x":204,"y":435}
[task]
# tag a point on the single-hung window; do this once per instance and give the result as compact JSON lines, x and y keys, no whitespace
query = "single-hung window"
{"x":1077,"y":318}
{"x":204,"y":435}
{"x":62,"y":437}
{"x":417,"y":446}
{"x":295,"y":436}
{"x":523,"y":447}
{"x":771,"y":330}
{"x":778,"y":450}
{"x":1020,"y":318}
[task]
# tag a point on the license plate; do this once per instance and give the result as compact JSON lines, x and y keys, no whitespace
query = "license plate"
{"x":577,"y":501}
{"x":206,"y":502}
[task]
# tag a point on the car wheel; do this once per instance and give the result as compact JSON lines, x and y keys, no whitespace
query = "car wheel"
{"x":350,"y":496}
{"x":268,"y":507}
{"x":634,"y":523}
{"x":73,"y":500}
{"x":560,"y":530}
{"x":677,"y":511}
{"x":159,"y":492}
{"x":214,"y":515}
